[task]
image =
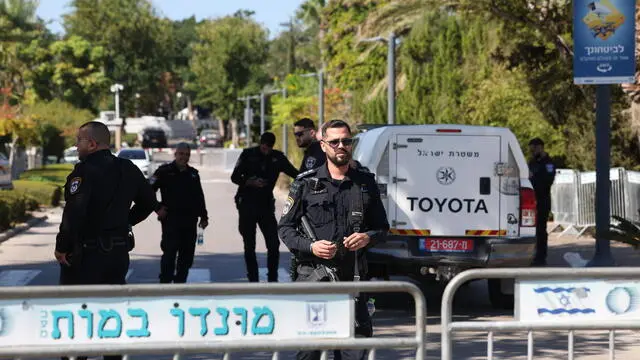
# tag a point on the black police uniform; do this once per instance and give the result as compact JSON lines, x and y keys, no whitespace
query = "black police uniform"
{"x":257,"y":205}
{"x":329,"y":206}
{"x":183,"y":196}
{"x":543,"y":173}
{"x":313,"y":157}
{"x":94,"y":232}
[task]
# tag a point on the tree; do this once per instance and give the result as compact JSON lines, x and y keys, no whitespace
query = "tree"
{"x":14,"y":123}
{"x":137,"y":45}
{"x":228,"y":62}
{"x":70,"y":70}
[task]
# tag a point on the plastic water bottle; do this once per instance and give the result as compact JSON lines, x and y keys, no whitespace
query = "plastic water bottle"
{"x":371,"y":307}
{"x":200,"y":237}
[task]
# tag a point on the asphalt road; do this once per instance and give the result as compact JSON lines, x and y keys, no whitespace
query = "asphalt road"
{"x":27,"y":259}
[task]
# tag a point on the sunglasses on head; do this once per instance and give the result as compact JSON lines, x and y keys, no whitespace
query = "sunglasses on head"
{"x":336,"y":142}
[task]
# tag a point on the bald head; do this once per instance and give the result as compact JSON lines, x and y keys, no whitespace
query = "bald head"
{"x":97,"y":132}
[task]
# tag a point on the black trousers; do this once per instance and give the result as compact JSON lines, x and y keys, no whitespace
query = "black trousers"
{"x":363,"y":327}
{"x":542,"y":237}
{"x":261,"y":214}
{"x":178,"y":248}
{"x":97,"y":267}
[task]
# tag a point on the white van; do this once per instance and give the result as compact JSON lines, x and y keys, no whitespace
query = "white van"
{"x":457,"y":197}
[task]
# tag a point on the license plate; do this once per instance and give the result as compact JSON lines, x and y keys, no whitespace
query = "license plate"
{"x":446,"y":245}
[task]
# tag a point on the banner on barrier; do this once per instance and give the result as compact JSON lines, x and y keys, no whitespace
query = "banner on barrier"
{"x":59,"y":321}
{"x":592,"y":300}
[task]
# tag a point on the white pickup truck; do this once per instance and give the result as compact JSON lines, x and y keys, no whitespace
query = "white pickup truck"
{"x":457,"y":197}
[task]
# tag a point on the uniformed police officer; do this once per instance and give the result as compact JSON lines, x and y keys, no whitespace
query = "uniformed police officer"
{"x":345,"y":213}
{"x":305,"y":132}
{"x":183,"y":196}
{"x":256,"y":173}
{"x":307,"y":138}
{"x":542,"y":173}
{"x":93,"y":242}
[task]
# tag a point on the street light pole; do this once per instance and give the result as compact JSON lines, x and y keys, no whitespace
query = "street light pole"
{"x":320,"y":98}
{"x":391,"y":73}
{"x":116,"y":88}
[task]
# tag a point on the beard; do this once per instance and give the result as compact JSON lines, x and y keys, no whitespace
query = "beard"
{"x":339,"y":157}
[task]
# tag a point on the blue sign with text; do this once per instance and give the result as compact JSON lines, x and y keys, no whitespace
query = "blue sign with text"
{"x":604,"y":41}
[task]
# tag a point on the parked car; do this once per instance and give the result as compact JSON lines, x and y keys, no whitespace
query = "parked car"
{"x":210,"y":138}
{"x":70,"y":155}
{"x":5,"y":173}
{"x":153,"y":138}
{"x":139,"y":157}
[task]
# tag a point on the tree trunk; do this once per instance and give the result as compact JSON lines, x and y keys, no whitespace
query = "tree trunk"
{"x":234,"y":133}
{"x":222,"y":129}
{"x":12,"y":153}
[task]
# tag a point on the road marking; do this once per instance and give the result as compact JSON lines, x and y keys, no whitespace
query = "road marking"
{"x":216,"y":181}
{"x":17,"y":277}
{"x":128,"y":274}
{"x":199,"y":276}
{"x":283,"y":275}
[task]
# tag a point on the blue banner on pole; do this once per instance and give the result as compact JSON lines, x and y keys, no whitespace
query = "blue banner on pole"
{"x":604,"y":38}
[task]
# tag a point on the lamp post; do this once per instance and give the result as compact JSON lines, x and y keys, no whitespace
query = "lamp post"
{"x":320,"y":75}
{"x":391,"y":74}
{"x":116,"y":88}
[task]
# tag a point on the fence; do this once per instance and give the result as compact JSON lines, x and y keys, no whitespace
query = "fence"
{"x":573,"y":197}
{"x":141,"y":319}
{"x":534,"y":304}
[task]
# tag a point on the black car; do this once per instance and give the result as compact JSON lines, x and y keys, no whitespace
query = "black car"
{"x":154,"y":138}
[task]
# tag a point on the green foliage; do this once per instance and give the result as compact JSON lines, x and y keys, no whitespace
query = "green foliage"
{"x":227,"y":63}
{"x":56,"y":174}
{"x":40,"y":192}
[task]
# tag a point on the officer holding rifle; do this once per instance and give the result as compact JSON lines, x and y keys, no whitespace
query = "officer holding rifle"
{"x":339,"y":209}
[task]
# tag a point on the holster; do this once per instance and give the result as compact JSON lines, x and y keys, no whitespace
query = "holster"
{"x":323,"y":273}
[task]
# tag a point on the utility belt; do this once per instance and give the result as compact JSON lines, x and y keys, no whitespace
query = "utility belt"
{"x":109,"y":243}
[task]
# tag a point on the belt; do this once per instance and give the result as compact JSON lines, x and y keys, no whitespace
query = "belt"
{"x":105,"y":243}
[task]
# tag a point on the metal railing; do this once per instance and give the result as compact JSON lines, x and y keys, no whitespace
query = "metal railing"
{"x":33,"y":297}
{"x":449,"y":327}
{"x":573,"y":197}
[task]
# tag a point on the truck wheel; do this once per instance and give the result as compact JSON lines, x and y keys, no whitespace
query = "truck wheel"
{"x":499,"y":300}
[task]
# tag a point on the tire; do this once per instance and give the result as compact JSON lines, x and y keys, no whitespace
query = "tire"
{"x":498,"y":299}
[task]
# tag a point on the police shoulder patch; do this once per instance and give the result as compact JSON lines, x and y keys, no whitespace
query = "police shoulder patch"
{"x":305,"y":174}
{"x":74,"y":185}
{"x":550,"y":168}
{"x":287,"y":205}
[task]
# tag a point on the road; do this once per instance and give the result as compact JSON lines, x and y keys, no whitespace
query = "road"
{"x":27,"y":259}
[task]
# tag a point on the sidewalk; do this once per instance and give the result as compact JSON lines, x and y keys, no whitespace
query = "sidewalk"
{"x":623,"y":254}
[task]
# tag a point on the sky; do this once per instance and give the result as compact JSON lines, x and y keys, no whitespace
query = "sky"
{"x":266,"y":11}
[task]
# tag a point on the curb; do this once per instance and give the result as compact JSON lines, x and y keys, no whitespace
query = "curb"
{"x":22,"y":227}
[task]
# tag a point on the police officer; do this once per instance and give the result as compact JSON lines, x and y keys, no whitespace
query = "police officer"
{"x":182,"y":194}
{"x":256,"y":173}
{"x":93,"y":242}
{"x":345,"y":213}
{"x":542,"y":173}
{"x":305,"y":132}
{"x":307,"y":138}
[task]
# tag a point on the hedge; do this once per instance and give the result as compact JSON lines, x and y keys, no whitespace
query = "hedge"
{"x":44,"y":193}
{"x":55,"y":173}
{"x":14,"y":207}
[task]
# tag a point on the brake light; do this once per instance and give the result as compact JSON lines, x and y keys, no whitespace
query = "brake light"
{"x":527,"y":207}
{"x":449,"y":130}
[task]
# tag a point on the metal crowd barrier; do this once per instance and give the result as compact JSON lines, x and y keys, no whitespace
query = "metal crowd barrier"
{"x":47,"y":321}
{"x":544,"y":281}
{"x":230,"y":158}
{"x":573,"y":198}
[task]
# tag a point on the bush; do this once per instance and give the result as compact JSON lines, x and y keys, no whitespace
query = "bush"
{"x":43,"y":193}
{"x":56,"y":174}
{"x":13,"y":207}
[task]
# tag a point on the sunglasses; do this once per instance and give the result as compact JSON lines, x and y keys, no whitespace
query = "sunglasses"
{"x":299,"y":133}
{"x":336,"y":142}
